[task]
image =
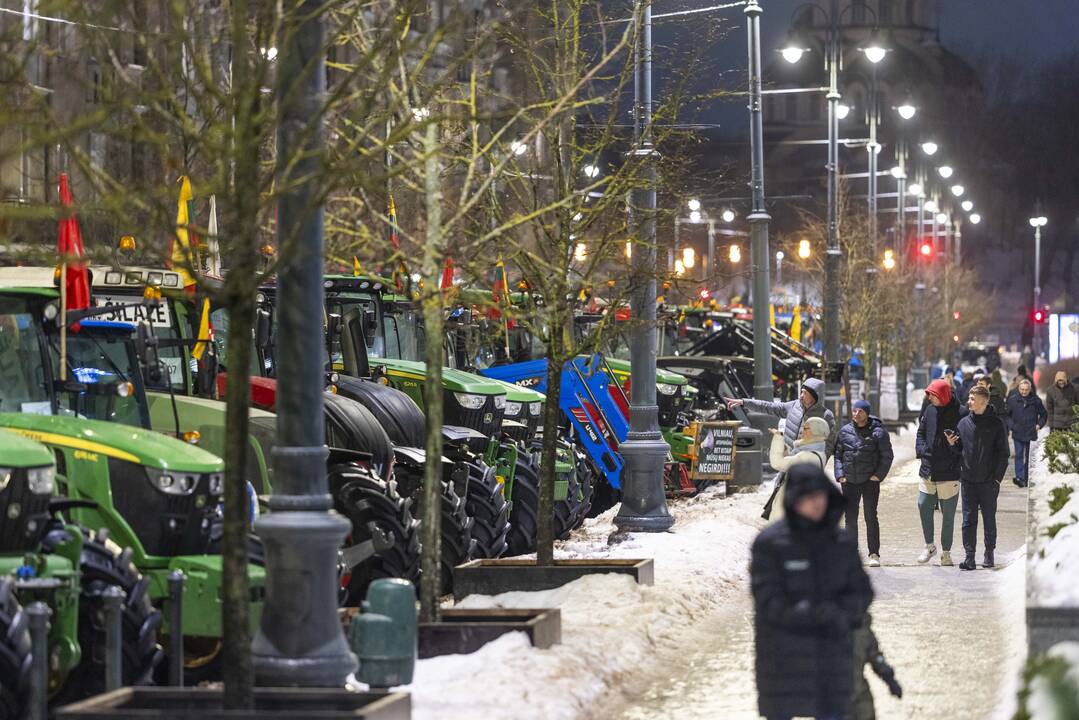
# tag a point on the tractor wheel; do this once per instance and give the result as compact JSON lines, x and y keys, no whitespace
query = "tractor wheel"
{"x":485,"y":502}
{"x":103,"y":564}
{"x":456,"y":525}
{"x":372,"y":504}
{"x":570,"y":513}
{"x":604,"y":496}
{"x":525,"y":507}
{"x":395,"y":411}
{"x":14,"y":653}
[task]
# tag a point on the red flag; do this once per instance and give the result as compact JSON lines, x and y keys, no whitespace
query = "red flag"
{"x":69,"y":247}
{"x":447,"y":275}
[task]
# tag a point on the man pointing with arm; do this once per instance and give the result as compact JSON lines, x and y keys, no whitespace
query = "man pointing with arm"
{"x":795,"y":412}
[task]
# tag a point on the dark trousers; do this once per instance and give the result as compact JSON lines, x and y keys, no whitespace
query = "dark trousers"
{"x":1022,"y":459}
{"x":981,"y":496}
{"x":868,"y":493}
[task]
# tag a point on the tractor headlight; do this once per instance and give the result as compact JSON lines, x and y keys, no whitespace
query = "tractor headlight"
{"x":534,"y":409}
{"x":217,"y":483}
{"x":39,"y":479}
{"x":500,"y":402}
{"x":666,"y":388}
{"x":513,"y":409}
{"x":172,"y":483}
{"x":5,"y":477}
{"x":470,"y":401}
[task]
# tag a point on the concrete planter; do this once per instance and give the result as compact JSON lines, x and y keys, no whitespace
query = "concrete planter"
{"x":492,"y":577}
{"x":461,"y":631}
{"x":165,"y":703}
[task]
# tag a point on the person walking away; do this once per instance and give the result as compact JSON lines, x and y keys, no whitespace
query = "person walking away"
{"x":863,"y":456}
{"x":967,"y":384}
{"x":1026,"y":416}
{"x":810,"y":448}
{"x":982,"y":441}
{"x":1059,"y":400}
{"x":809,"y":593}
{"x":998,"y":393}
{"x":939,"y":470}
{"x":867,"y":652}
{"x":1027,"y":359}
{"x":794,"y":412}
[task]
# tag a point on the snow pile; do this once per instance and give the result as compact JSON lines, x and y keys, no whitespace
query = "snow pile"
{"x":1011,"y":596}
{"x":903,"y":444}
{"x":612,"y":629}
{"x":1054,"y":556}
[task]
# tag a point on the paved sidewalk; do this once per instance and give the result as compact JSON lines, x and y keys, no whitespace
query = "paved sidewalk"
{"x":949,"y":634}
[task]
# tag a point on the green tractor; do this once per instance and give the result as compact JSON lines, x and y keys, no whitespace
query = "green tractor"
{"x":44,"y":559}
{"x":170,"y":501}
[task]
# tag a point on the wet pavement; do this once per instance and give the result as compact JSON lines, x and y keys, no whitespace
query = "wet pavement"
{"x":948,"y":633}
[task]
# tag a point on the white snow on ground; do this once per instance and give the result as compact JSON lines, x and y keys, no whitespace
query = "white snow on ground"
{"x":903,"y":445}
{"x":1011,"y":592}
{"x":611,"y":627}
{"x":1040,"y":704}
{"x":1054,"y":562}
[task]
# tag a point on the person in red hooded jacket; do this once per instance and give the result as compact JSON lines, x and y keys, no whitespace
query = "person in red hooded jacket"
{"x":940,"y":466}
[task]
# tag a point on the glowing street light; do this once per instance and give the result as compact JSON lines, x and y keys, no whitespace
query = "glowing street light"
{"x":906,"y":111}
{"x":889,"y":260}
{"x":679,"y":268}
{"x":518,"y":148}
{"x":958,"y":190}
{"x":689,"y":258}
{"x":930,"y":206}
{"x":735,"y":254}
{"x":897,"y":172}
{"x":930,"y":148}
{"x":804,"y":250}
{"x":580,"y":252}
{"x":967,"y":205}
{"x":842,"y":110}
{"x":780,"y":255}
{"x":942,"y":217}
{"x":591,"y":171}
{"x":945,"y":171}
{"x":1040,"y":221}
{"x":728,"y":215}
{"x":792,"y":53}
{"x":874,"y":52}
{"x":914,"y":189}
{"x":695,"y":216}
{"x":975,"y":218}
{"x":694,"y":204}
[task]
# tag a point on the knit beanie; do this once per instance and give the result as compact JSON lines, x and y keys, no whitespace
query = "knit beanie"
{"x":816,"y":428}
{"x":862,"y":405}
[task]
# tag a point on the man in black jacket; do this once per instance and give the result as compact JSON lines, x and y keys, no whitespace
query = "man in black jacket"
{"x":809,"y":592}
{"x":982,"y":441}
{"x":863,"y":456}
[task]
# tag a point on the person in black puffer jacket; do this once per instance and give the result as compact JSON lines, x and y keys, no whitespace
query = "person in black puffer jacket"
{"x":982,"y":441}
{"x":863,"y":456}
{"x":809,"y":593}
{"x":939,"y":471}
{"x":1026,"y":416}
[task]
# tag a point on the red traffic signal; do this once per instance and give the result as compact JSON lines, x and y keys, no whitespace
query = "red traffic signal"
{"x":1040,"y":316}
{"x":926,"y":249}
{"x":955,"y":315}
{"x":705,"y":293}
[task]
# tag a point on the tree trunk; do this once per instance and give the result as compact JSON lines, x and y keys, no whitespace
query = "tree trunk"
{"x":556,"y":358}
{"x":433,"y":252}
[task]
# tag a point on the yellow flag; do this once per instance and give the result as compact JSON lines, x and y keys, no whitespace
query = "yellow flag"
{"x":772,"y":314}
{"x":796,"y":323}
{"x":355,"y":266}
{"x":183,"y":259}
{"x":205,"y":336}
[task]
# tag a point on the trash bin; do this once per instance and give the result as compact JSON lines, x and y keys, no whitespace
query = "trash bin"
{"x":748,"y":459}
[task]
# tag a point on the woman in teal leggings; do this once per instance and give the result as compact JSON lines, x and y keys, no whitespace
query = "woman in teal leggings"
{"x":939,"y":471}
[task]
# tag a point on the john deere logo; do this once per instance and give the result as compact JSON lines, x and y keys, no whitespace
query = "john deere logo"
{"x":488,"y":418}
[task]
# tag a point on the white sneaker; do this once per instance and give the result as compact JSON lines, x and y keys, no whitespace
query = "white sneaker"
{"x":930,"y":551}
{"x":874,"y":561}
{"x":945,"y":559}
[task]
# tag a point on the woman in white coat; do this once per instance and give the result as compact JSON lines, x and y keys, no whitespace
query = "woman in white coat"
{"x":809,"y":448}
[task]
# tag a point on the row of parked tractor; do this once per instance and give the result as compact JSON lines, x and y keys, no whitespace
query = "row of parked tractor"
{"x":111,"y":435}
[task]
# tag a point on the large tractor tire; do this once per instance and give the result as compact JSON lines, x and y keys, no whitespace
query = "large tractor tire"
{"x":456,"y":525}
{"x":102,"y":565}
{"x":395,"y":411}
{"x":374,"y":506}
{"x":351,"y":426}
{"x":604,"y":495}
{"x":570,"y":514}
{"x":15,"y":657}
{"x":525,"y":506}
{"x":485,"y":502}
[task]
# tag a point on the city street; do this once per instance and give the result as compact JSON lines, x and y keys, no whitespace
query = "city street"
{"x":952,"y":636}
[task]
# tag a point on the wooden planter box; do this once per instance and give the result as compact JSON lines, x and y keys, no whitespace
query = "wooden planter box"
{"x":167,"y":703}
{"x":495,"y":576}
{"x":462,"y":631}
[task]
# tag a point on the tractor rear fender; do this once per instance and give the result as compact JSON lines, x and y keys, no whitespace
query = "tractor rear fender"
{"x":202,"y":592}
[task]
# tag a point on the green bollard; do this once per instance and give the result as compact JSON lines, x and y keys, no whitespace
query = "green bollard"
{"x":383,"y":636}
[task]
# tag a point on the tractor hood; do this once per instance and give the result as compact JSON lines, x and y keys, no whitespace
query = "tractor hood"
{"x":455,"y":380}
{"x":621,"y":370}
{"x":519,"y":393}
{"x":123,"y":442}
{"x":19,"y":452}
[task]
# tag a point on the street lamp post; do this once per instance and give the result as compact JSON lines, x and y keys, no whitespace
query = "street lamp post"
{"x":644,"y":505}
{"x":299,"y":641}
{"x":758,"y":217}
{"x":1037,"y":223}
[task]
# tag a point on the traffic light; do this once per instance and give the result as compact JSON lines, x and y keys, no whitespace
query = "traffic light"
{"x":1040,"y":316}
{"x":926,"y":249}
{"x":955,"y":315}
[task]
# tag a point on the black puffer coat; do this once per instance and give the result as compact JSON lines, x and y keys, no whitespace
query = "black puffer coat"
{"x":809,"y":592}
{"x":983,"y":447}
{"x":859,"y":456}
{"x":939,"y":462}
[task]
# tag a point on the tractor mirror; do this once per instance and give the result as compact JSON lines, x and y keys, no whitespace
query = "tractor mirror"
{"x":146,"y":348}
{"x":354,"y":343}
{"x":370,"y":322}
{"x":333,"y":325}
{"x":262,"y":329}
{"x":206,"y":379}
